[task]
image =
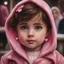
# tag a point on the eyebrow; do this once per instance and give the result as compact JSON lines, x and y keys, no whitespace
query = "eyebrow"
{"x":37,"y":24}
{"x":23,"y":24}
{"x":33,"y":24}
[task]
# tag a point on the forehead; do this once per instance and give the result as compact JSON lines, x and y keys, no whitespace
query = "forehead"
{"x":35,"y":19}
{"x":38,"y":17}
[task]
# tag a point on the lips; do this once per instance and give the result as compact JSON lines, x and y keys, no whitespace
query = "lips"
{"x":30,"y":41}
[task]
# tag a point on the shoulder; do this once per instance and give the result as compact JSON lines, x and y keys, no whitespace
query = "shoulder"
{"x":2,"y":7}
{"x":59,"y":58}
{"x":7,"y":54}
{"x":5,"y":57}
{"x":62,"y":20}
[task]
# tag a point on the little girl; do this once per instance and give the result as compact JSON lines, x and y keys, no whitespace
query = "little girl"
{"x":31,"y":32}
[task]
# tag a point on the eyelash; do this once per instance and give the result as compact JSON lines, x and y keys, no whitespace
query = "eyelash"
{"x":38,"y":27}
{"x":26,"y":27}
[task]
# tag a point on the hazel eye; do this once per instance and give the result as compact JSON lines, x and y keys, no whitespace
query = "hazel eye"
{"x":38,"y":27}
{"x":24,"y":27}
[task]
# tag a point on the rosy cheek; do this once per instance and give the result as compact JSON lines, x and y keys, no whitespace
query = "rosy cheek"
{"x":21,"y":39}
{"x":21,"y":36}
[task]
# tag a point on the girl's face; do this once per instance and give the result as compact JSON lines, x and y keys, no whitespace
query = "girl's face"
{"x":32,"y":33}
{"x":55,"y":13}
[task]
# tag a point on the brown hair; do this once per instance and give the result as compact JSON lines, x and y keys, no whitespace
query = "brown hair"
{"x":29,"y":11}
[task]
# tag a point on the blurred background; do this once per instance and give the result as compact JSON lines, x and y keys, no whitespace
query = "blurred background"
{"x":4,"y":47}
{"x":11,"y":3}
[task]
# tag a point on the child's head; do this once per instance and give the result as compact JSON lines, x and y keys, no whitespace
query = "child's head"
{"x":32,"y":25}
{"x":29,"y":11}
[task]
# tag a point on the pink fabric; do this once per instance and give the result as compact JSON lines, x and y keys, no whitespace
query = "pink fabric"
{"x":48,"y":54}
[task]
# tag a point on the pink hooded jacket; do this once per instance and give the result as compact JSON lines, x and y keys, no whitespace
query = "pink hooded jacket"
{"x":48,"y":54}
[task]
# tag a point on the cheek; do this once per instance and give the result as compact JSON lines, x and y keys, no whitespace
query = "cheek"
{"x":21,"y":37}
{"x":41,"y":37}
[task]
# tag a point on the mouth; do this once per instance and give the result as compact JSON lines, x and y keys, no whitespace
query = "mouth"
{"x":31,"y":41}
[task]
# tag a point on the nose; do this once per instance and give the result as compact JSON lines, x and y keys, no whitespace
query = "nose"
{"x":31,"y":33}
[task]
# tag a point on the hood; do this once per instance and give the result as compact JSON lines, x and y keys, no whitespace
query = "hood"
{"x":48,"y":46}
